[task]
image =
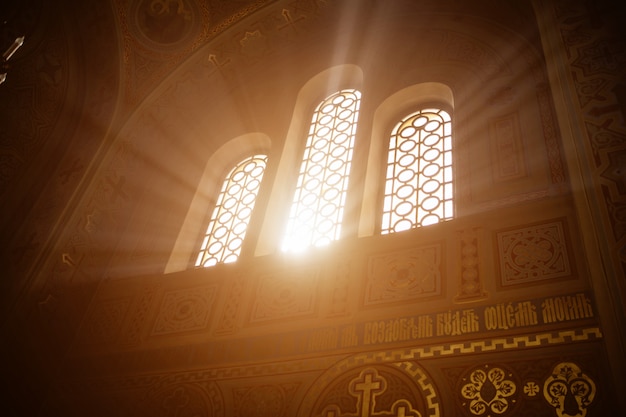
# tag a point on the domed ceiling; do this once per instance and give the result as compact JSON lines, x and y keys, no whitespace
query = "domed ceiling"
{"x":87,"y":53}
{"x":82,"y":70}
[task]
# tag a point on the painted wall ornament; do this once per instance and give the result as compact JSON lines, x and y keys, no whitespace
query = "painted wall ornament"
{"x":159,"y":23}
{"x":569,"y":390}
{"x":489,"y":391}
{"x":373,"y":394}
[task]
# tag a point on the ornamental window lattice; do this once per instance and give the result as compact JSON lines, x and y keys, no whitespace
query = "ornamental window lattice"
{"x":418,"y":186}
{"x":318,"y":204}
{"x":231,"y":215}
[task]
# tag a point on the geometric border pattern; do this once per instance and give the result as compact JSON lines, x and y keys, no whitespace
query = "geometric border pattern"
{"x":507,"y":343}
{"x":425,"y":384}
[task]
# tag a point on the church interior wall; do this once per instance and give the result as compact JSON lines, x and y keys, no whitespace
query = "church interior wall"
{"x":500,"y":309}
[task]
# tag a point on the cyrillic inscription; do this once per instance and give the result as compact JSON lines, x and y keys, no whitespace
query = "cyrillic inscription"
{"x":452,"y":323}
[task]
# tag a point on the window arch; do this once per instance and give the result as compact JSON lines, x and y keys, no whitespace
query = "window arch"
{"x":418,"y":185}
{"x":318,"y":203}
{"x":185,"y":251}
{"x":323,"y":84}
{"x":418,"y":96}
{"x":229,"y":222}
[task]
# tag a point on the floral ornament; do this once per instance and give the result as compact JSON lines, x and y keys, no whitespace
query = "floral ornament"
{"x":569,"y":390}
{"x":531,"y":389}
{"x":529,"y":253}
{"x":488,"y":391}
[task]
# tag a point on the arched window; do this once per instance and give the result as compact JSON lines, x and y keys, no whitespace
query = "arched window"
{"x":318,"y":203}
{"x":418,"y":185}
{"x":185,"y":251}
{"x":231,"y":215}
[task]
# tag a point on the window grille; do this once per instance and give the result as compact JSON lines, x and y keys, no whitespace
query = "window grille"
{"x":318,"y":204}
{"x":231,"y":215}
{"x":418,"y":186}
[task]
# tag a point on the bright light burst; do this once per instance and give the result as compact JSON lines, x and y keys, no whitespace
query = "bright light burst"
{"x":318,"y":205}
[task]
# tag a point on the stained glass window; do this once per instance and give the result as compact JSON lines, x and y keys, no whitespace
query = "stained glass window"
{"x":419,"y":187}
{"x":318,"y":204}
{"x":231,"y":215}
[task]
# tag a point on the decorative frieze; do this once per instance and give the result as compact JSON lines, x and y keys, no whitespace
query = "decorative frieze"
{"x":471,"y":280}
{"x":533,"y":253}
{"x":184,"y":310}
{"x":286,"y":294}
{"x":404,"y":275}
{"x":506,"y":147}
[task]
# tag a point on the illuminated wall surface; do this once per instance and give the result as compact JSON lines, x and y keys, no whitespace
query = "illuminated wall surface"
{"x":305,"y":208}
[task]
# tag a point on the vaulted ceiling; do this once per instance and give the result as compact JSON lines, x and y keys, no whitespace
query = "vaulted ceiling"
{"x":86,"y":67}
{"x":82,"y":70}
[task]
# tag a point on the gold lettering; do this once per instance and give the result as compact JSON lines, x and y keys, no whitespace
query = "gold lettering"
{"x":559,"y":309}
{"x":455,"y":323}
{"x":501,"y":317}
{"x":424,"y":327}
{"x":566,"y":308}
{"x":509,"y":316}
{"x":584,"y":306}
{"x":547,"y":311}
{"x":491,"y":318}
{"x":572,"y":309}
{"x":473,"y":324}
{"x":441,"y":324}
{"x":507,"y":312}
{"x":323,"y":339}
{"x":579,"y":307}
{"x":526,"y":314}
{"x":397,"y":330}
{"x":367,"y":333}
{"x":349,"y":336}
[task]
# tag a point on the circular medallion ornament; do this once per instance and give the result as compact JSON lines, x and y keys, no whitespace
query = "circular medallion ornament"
{"x":488,"y":391}
{"x":401,"y":389}
{"x":569,"y":390}
{"x":166,"y":23}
